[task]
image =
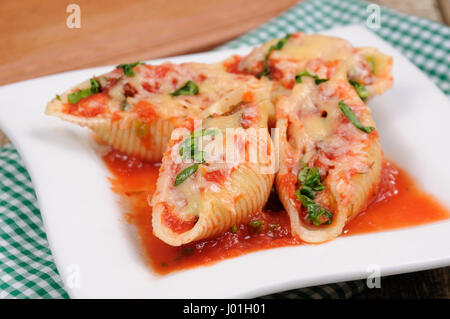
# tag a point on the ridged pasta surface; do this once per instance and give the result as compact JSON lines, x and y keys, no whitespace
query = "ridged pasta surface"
{"x":220,"y":193}
{"x":316,"y":134}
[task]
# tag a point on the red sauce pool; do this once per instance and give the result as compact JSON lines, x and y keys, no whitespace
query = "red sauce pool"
{"x":399,"y":203}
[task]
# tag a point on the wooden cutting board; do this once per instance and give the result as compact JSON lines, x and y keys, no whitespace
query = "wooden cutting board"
{"x":37,"y":41}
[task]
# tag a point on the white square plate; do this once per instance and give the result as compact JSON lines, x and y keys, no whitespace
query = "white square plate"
{"x":84,"y":222}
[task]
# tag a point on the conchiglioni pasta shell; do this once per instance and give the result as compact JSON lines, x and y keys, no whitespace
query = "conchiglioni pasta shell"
{"x":218,"y":215}
{"x":382,"y":69}
{"x":121,"y":133}
{"x":361,"y":188}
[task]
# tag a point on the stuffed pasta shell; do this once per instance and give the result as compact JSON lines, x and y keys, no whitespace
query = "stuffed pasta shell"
{"x":330,"y":156}
{"x":286,"y":60}
{"x":135,"y":107}
{"x":215,"y":172}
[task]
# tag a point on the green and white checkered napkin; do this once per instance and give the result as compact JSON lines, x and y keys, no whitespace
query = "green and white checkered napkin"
{"x":27,"y":269}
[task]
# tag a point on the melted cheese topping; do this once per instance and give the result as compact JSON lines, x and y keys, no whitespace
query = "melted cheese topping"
{"x":151,"y":86}
{"x":323,"y":56}
{"x":212,"y":177}
{"x":316,"y":132}
{"x":230,"y":184}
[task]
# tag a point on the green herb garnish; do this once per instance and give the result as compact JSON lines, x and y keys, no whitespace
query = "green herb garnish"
{"x":257,"y":225}
{"x":184,"y":174}
{"x":75,"y":97}
{"x":309,"y":179}
{"x":58,"y":97}
{"x":360,"y":89}
{"x":125,"y":106}
{"x":317,"y":80}
{"x":141,"y":129}
{"x":353,"y":119}
{"x":234,"y":229}
{"x":189,"y":88}
{"x":276,"y":47}
{"x":188,"y":148}
{"x":128,"y":68}
{"x":95,"y":86}
{"x":316,"y":213}
{"x":307,"y":191}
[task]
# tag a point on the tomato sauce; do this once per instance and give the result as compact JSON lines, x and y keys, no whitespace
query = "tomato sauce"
{"x":90,"y":106}
{"x":399,"y":203}
{"x":232,"y":65}
{"x":176,"y":224}
{"x":145,"y":111}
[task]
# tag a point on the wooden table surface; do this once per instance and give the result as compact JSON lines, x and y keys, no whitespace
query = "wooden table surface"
{"x":36,"y":42}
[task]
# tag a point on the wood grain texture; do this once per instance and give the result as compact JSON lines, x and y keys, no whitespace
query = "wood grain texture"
{"x":444,"y":8}
{"x":36,"y":42}
{"x":3,"y":139}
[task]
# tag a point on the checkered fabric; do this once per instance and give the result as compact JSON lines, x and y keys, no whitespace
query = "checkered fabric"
{"x":27,"y":269}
